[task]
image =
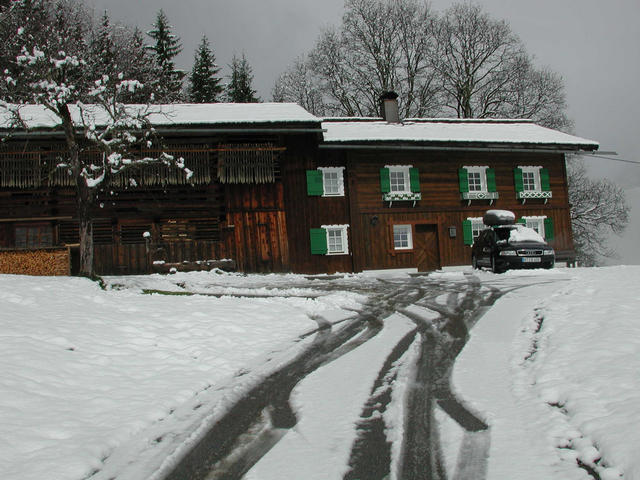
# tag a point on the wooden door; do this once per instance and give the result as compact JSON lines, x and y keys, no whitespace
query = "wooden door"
{"x":426,"y":247}
{"x":259,"y":242}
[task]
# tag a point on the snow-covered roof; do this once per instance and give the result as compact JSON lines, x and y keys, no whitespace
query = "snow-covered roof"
{"x":37,"y":116}
{"x":440,"y":131}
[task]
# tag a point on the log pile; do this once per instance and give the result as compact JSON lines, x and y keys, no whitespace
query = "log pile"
{"x":36,"y":262}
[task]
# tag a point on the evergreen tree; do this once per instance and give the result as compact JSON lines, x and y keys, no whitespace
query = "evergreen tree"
{"x":239,"y":89}
{"x":137,"y":62}
{"x":166,"y":48}
{"x":71,"y":70}
{"x":205,"y":84}
{"x":102,"y":50}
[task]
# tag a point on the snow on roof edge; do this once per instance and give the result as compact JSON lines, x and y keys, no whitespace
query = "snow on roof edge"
{"x":437,"y":132}
{"x":38,"y":117}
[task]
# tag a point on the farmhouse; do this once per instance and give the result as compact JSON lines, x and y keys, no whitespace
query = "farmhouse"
{"x":276,"y":189}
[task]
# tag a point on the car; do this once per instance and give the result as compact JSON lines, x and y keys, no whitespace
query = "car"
{"x":501,"y":247}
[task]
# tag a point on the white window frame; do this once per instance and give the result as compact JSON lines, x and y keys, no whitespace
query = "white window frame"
{"x":403,"y":229}
{"x":404,"y":169}
{"x":344,"y":239}
{"x":483,"y":177}
{"x":536,"y":177}
{"x":477,"y":226}
{"x":536,"y":221}
{"x":340,"y":172}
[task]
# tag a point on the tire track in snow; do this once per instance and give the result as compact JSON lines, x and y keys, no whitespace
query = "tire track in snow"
{"x":260,"y":419}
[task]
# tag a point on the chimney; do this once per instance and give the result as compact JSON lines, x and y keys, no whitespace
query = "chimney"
{"x":390,"y":112}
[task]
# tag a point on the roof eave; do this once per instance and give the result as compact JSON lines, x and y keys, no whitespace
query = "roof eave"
{"x":462,"y":146}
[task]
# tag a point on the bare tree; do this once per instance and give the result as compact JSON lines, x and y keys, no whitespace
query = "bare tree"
{"x":598,"y":209}
{"x":382,"y":45}
{"x":298,"y":85}
{"x":463,"y":63}
{"x":51,"y":72}
{"x":476,"y":57}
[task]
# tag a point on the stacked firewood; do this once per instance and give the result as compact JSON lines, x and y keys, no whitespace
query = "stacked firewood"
{"x":35,"y":262}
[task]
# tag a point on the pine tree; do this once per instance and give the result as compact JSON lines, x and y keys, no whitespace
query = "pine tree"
{"x":103,"y":50}
{"x":137,"y":62}
{"x":166,"y":48}
{"x":55,"y":67}
{"x":205,"y":84}
{"x":239,"y":89}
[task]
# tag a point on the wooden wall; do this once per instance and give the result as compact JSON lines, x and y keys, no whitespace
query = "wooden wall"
{"x":304,"y":212}
{"x":186,"y":223}
{"x":265,"y":227}
{"x":371,"y":219}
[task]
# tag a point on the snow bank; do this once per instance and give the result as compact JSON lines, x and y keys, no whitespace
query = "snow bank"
{"x":83,"y":371}
{"x":554,"y":370}
{"x":590,"y":366}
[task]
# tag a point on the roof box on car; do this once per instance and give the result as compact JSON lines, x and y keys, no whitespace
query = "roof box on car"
{"x":499,"y":217}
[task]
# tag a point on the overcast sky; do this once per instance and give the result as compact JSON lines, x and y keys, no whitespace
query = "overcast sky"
{"x":593,"y":44}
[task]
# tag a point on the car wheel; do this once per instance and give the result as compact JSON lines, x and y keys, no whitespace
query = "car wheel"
{"x":474,"y":262}
{"x":494,"y":267}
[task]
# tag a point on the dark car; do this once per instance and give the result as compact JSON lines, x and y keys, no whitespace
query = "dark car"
{"x":511,"y":246}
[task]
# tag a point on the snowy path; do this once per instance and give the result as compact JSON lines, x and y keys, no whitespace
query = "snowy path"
{"x":348,"y":397}
{"x":553,"y":369}
{"x":282,"y":376}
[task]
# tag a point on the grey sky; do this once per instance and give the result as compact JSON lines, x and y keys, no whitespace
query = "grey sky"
{"x":592,"y":44}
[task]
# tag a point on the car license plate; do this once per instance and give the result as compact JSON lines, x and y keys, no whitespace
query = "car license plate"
{"x":531,"y":259}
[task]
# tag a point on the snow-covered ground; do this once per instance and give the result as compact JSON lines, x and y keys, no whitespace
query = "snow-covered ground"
{"x":114,"y":381}
{"x":85,"y":373}
{"x":555,"y":371}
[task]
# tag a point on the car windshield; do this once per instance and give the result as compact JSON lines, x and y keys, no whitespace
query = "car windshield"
{"x":517,"y":233}
{"x":503,"y":233}
{"x":524,"y":234}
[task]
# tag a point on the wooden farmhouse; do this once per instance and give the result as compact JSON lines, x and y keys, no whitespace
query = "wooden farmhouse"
{"x":276,"y":189}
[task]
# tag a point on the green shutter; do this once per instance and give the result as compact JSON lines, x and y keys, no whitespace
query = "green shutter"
{"x":414,"y":180}
{"x":467,"y":232}
{"x":385,"y":181}
{"x":517,"y":177}
{"x":522,"y":221}
{"x":544,"y":180}
{"x":548,"y":229}
{"x":463,"y":177}
{"x":314,"y":183}
{"x":318,"y":241}
{"x":491,"y":180}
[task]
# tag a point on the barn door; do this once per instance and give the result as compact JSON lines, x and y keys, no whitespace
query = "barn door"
{"x":426,"y":247}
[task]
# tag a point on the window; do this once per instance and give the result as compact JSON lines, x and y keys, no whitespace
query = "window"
{"x":329,"y":240}
{"x":133,"y":233}
{"x":532,"y":182}
{"x":33,"y":236}
{"x":335,"y":241}
{"x":326,"y":182}
{"x":400,"y":182}
{"x":543,"y":225}
{"x":471,"y":229}
{"x":332,"y":181}
{"x":529,"y":180}
{"x":477,"y":183}
{"x":402,"y":237}
{"x":399,"y":179}
{"x":477,"y":226}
